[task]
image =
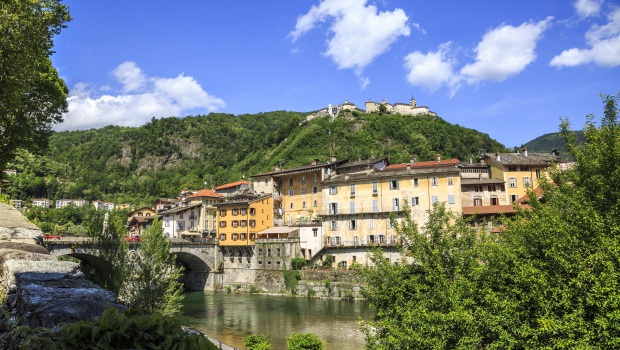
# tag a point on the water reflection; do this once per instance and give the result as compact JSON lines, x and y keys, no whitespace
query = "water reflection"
{"x":230,"y":317}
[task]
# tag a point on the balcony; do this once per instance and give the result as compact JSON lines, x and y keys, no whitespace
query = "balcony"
{"x":366,"y":242}
{"x":386,"y":209}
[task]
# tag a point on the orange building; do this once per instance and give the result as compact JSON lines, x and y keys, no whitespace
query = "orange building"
{"x":241,"y":216}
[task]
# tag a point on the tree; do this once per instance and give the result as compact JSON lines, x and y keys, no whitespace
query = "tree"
{"x":257,"y":342}
{"x":549,"y":279}
{"x":152,"y":283}
{"x":32,"y":96}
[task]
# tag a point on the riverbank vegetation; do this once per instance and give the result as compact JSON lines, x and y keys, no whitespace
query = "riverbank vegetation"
{"x":548,"y":279}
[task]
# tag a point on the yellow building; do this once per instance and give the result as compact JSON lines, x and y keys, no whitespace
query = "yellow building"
{"x":357,"y":205}
{"x":299,"y":189}
{"x":520,"y":171}
{"x":241,"y":216}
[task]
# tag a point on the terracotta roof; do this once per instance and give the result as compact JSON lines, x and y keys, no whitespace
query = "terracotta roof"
{"x":232,"y":184}
{"x":526,"y":199}
{"x":205,"y":193}
{"x":492,"y":209}
{"x":428,"y":164}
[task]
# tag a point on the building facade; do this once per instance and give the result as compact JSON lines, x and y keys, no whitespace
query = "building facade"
{"x":241,"y":216}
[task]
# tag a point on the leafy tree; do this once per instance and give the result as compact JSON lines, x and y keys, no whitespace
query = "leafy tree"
{"x":257,"y":342}
{"x":304,"y":341}
{"x":32,"y":96}
{"x":549,"y":279}
{"x":152,"y":283}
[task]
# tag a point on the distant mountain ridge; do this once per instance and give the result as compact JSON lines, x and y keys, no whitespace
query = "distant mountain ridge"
{"x":158,"y":159}
{"x":547,"y":142}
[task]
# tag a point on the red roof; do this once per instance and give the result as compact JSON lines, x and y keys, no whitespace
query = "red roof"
{"x":205,"y":193}
{"x":538,"y":192}
{"x":492,"y":209}
{"x":232,"y":184}
{"x":428,"y":164}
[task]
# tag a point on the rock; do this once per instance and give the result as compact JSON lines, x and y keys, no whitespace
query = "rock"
{"x":15,"y":227}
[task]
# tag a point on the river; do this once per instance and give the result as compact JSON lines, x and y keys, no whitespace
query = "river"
{"x":231,"y":317}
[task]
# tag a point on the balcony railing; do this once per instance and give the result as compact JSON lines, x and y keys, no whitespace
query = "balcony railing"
{"x":362,"y":242}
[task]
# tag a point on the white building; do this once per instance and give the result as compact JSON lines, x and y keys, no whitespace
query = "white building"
{"x":181,"y":221}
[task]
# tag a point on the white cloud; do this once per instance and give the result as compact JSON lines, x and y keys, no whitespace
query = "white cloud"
{"x":587,"y":8}
{"x":360,"y":32}
{"x":604,"y":42}
{"x":505,"y":51}
{"x":158,"y":97}
{"x":433,"y":70}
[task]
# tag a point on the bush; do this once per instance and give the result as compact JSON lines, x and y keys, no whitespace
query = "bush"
{"x":257,"y":342}
{"x":291,"y":279}
{"x":298,"y":263}
{"x":304,"y":341}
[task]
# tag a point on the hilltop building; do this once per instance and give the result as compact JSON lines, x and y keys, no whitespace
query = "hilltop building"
{"x":332,"y":110}
{"x":411,"y":108}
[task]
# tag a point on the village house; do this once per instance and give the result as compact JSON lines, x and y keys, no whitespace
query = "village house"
{"x":41,"y":202}
{"x":61,"y":203}
{"x":181,"y":221}
{"x":139,"y":220}
{"x":232,"y":187}
{"x":411,"y":108}
{"x":208,"y":211}
{"x":101,"y":205}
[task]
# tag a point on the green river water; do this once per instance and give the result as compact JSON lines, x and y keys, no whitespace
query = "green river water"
{"x":230,"y":317}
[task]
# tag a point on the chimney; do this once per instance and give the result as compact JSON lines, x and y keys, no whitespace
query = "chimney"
{"x":497,"y":156}
{"x":525,"y":151}
{"x":333,"y":159}
{"x":346,"y":176}
{"x":412,"y":159}
{"x":315,"y":162}
{"x":408,"y":166}
{"x":438,"y":157}
{"x":276,"y":168}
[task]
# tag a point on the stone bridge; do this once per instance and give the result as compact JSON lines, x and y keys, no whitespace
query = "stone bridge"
{"x":199,"y":259}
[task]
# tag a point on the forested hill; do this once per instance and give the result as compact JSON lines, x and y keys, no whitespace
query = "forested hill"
{"x":132,"y":165}
{"x":547,"y":142}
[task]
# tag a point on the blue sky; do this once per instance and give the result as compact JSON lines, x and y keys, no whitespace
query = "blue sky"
{"x":507,"y":68}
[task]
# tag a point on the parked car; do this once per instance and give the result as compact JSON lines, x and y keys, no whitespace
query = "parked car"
{"x":133,"y":239}
{"x":51,"y":237}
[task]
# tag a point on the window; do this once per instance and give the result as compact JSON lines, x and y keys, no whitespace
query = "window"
{"x":303,"y":205}
{"x":512,"y":168}
{"x":278,"y":252}
{"x":244,"y":223}
{"x":303,"y":180}
{"x":477,"y":202}
{"x":371,"y":224}
{"x":290,"y":182}
{"x":315,"y":189}
{"x":353,"y":224}
{"x":352,"y":207}
{"x":266,"y":181}
{"x":315,"y":232}
{"x":314,"y":177}
{"x":235,"y":236}
{"x":181,"y":216}
{"x":492,"y":188}
{"x":192,"y":215}
{"x":512,"y":182}
{"x":494,"y":201}
{"x":315,"y":204}
{"x":393,"y":184}
{"x":291,"y":192}
{"x":252,"y":223}
{"x":235,"y":212}
{"x":356,"y":240}
{"x":167,"y":223}
{"x":525,"y":168}
{"x":538,"y":174}
{"x":434,"y":181}
{"x":333,"y":189}
{"x":513,"y":198}
{"x":291,"y":205}
{"x":389,"y":223}
{"x":269,"y":252}
{"x":260,"y":252}
{"x":222,"y":223}
{"x":235,"y":223}
{"x":206,"y":223}
{"x":352,"y":190}
{"x":415,"y":201}
{"x":333,"y":225}
{"x":415,"y":182}
{"x":434,"y":199}
{"x":252,"y":211}
{"x":450,"y":181}
{"x":375,"y":187}
{"x":303,"y":191}
{"x":191,"y":224}
{"x":223,"y":212}
{"x":478,"y":188}
{"x":222,"y":237}
{"x":333,"y":208}
{"x":527,"y":181}
{"x":450,"y":199}
{"x":375,"y":206}
{"x":243,"y":211}
{"x":252,"y":236}
{"x":395,"y":204}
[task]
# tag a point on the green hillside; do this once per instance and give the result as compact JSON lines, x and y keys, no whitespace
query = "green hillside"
{"x":158,"y":159}
{"x":547,"y":142}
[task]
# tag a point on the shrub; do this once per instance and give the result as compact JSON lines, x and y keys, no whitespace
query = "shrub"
{"x":257,"y":342}
{"x":298,"y":263}
{"x":304,"y":341}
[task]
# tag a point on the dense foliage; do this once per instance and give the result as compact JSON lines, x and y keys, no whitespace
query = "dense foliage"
{"x":137,"y":165}
{"x":304,"y":341}
{"x":550,"y":279}
{"x":257,"y":342}
{"x":32,"y":96}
